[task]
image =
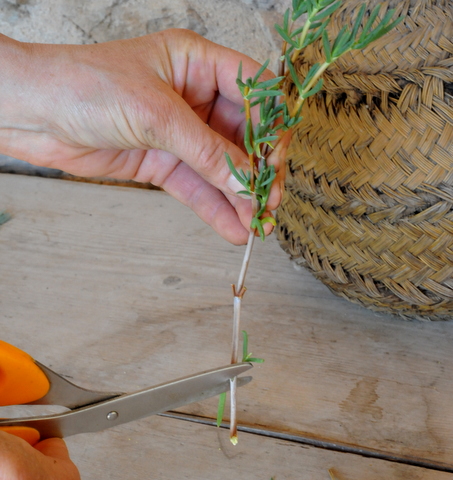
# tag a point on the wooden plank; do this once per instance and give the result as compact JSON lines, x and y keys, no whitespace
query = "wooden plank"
{"x":164,"y":448}
{"x":123,"y":288}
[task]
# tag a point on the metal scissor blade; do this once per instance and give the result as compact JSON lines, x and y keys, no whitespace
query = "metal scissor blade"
{"x":65,"y":393}
{"x":133,"y":406}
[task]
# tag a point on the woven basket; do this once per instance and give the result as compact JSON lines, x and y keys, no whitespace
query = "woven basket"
{"x":368,"y":203}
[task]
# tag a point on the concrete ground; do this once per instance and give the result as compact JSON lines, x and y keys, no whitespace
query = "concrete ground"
{"x":244,"y":25}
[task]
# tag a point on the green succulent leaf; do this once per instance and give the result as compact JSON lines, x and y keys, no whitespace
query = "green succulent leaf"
{"x":246,"y":356}
{"x":293,"y":73}
{"x":245,"y":344}
{"x":248,"y":137}
{"x":271,"y":83}
{"x":263,"y":94}
{"x":299,"y":8}
{"x":260,"y":71}
{"x":256,"y":224}
{"x":369,"y":35}
{"x":315,"y":89}
{"x":359,"y":20}
{"x":327,"y":11}
{"x":240,"y":177}
{"x":269,"y":220}
{"x":254,"y":359}
{"x":326,"y":46}
{"x":285,"y":35}
{"x":221,"y":408}
{"x":310,"y":75}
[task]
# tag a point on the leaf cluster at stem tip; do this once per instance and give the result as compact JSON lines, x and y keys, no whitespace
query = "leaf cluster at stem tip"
{"x":263,"y":93}
{"x":318,"y":14}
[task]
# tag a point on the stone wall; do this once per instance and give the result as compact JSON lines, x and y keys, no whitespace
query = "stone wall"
{"x":245,"y":25}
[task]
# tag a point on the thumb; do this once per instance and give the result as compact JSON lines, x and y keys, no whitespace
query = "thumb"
{"x":56,"y":460}
{"x":191,"y":140}
{"x":53,"y":447}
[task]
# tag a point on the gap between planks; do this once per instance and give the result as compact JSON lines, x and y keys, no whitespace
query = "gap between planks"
{"x":313,"y":442}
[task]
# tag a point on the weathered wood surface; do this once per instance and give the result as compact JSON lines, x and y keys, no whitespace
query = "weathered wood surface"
{"x":120,"y":288}
{"x":164,"y":448}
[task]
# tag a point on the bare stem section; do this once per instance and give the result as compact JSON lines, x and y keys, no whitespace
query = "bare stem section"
{"x":238,"y":292}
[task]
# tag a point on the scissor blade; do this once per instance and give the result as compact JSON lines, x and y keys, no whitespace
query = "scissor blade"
{"x":133,"y":406}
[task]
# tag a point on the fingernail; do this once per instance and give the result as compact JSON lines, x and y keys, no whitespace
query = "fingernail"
{"x":283,"y":144}
{"x":282,"y":187}
{"x":235,"y":186}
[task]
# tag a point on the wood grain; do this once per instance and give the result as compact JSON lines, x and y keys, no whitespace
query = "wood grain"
{"x":121,"y":288}
{"x":167,"y":449}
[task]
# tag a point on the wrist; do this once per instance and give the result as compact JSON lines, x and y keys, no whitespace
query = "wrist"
{"x":15,"y":59}
{"x":22,"y":78}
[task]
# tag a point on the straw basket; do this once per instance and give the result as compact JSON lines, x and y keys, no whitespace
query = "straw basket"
{"x":368,"y":203}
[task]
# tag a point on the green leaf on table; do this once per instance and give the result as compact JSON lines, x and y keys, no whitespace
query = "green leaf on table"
{"x":4,"y":217}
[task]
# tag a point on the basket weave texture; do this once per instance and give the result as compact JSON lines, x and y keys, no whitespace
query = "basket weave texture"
{"x":368,"y":201}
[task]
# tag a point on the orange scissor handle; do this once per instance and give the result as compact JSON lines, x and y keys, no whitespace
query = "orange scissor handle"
{"x":21,"y":380}
{"x":30,"y":435}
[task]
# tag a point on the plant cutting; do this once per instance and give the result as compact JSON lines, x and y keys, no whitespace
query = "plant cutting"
{"x":279,"y":102}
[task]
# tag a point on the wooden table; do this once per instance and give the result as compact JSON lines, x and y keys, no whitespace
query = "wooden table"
{"x":121,"y":288}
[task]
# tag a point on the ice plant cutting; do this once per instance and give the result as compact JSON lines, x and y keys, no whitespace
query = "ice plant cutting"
{"x":279,"y":103}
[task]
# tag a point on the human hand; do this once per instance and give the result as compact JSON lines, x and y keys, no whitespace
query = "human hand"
{"x":47,"y":460}
{"x":136,"y":109}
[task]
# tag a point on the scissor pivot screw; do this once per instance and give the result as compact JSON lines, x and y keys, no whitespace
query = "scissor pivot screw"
{"x":112,"y":415}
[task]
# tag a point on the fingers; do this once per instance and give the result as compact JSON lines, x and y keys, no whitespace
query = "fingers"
{"x":229,"y":217}
{"x":56,"y":460}
{"x":53,"y":447}
{"x":204,"y":157}
{"x":204,"y":78}
{"x":226,"y":64}
{"x":227,"y":120}
{"x":278,"y":159}
{"x":188,"y":138}
{"x":48,"y":460}
{"x":207,"y":66}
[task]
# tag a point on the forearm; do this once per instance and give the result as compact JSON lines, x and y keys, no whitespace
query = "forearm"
{"x":14,"y":76}
{"x":17,"y":93}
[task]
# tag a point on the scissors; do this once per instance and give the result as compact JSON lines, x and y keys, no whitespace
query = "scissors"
{"x":24,"y":381}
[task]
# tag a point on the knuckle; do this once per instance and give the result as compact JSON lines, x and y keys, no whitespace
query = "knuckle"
{"x":210,"y":158}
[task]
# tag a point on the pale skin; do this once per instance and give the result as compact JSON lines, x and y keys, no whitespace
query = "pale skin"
{"x":135,"y":109}
{"x":47,"y":460}
{"x":163,"y":108}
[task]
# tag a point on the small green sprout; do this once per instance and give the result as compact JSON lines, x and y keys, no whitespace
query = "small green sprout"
{"x":247,"y":357}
